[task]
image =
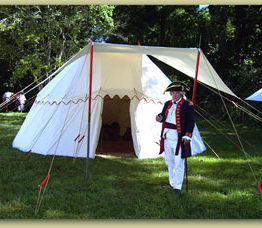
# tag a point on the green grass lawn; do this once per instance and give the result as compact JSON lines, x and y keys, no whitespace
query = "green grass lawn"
{"x":129,"y":188}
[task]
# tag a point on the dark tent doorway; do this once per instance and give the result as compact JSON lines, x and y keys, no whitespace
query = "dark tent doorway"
{"x":115,"y":135}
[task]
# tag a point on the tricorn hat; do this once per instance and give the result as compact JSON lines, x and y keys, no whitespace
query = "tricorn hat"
{"x":177,"y":86}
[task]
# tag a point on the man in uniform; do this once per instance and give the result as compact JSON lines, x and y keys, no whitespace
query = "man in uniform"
{"x":177,"y":118}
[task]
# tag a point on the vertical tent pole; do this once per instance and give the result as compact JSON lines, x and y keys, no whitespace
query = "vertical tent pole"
{"x":186,"y":174}
{"x":89,"y":108}
{"x":193,"y":99}
{"x":196,"y":73}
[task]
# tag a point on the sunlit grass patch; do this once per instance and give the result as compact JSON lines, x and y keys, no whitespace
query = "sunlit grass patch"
{"x":12,"y":206}
{"x":127,"y":187}
{"x":54,"y":214}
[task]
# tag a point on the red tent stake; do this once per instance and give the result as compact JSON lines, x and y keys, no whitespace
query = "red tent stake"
{"x":237,"y":146}
{"x":27,"y":153}
{"x":247,"y":143}
{"x":40,"y":186}
{"x":258,"y":188}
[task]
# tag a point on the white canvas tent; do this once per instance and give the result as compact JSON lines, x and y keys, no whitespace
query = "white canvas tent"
{"x":257,"y":96}
{"x":57,"y":122}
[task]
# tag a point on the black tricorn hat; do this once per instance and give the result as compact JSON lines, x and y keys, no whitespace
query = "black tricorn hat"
{"x":177,"y":86}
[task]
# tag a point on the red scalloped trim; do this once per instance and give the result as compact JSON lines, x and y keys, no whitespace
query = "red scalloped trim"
{"x":84,"y":100}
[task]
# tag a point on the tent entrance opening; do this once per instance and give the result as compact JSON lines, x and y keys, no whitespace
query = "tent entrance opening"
{"x":115,"y":136}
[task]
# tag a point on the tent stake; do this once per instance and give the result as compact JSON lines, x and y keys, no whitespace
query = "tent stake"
{"x":89,"y":109}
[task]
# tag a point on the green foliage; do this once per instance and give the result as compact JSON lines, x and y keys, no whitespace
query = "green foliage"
{"x":237,"y":38}
{"x":230,"y":38}
{"x":38,"y":39}
{"x":130,"y":188}
{"x":35,"y":40}
{"x":157,"y":25}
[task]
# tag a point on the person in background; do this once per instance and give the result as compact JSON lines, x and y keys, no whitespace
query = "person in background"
{"x":21,"y":99}
{"x":6,"y":98}
{"x":177,"y":118}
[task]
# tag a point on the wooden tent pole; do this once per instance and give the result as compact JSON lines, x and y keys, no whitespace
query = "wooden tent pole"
{"x":89,"y":108}
{"x":196,"y":73}
{"x":193,"y":99}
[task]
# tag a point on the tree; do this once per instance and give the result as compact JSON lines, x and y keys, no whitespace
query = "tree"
{"x":236,"y":54}
{"x":37,"y":39}
{"x":157,"y":25}
{"x":230,"y":38}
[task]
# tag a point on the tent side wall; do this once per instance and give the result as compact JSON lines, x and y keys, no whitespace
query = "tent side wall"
{"x":145,"y":129}
{"x":257,"y":96}
{"x":57,"y":122}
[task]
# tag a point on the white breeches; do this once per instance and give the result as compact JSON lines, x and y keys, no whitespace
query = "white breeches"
{"x":20,"y":107}
{"x":175,"y":165}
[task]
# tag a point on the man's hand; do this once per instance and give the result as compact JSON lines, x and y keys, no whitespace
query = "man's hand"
{"x":185,"y":141}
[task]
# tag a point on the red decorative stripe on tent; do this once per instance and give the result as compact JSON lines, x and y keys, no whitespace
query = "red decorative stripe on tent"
{"x":76,"y":137}
{"x":81,"y":139}
{"x":146,"y":100}
{"x":43,"y":182}
{"x":84,"y":100}
{"x":25,"y":154}
{"x":61,"y":102}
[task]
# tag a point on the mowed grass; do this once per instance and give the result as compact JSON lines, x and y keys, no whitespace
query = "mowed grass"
{"x":130,"y":188}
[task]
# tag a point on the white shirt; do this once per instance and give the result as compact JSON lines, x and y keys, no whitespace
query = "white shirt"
{"x":21,"y":98}
{"x":7,"y":95}
{"x":171,"y":134}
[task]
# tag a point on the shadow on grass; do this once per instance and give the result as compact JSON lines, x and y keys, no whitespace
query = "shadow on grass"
{"x":126,"y":187}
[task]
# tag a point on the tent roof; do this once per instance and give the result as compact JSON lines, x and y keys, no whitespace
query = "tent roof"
{"x":257,"y":96}
{"x":182,"y":59}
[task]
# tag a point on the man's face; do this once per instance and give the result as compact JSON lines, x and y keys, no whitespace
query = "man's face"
{"x":176,"y":95}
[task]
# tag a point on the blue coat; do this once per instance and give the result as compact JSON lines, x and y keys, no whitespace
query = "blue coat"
{"x":185,"y":121}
